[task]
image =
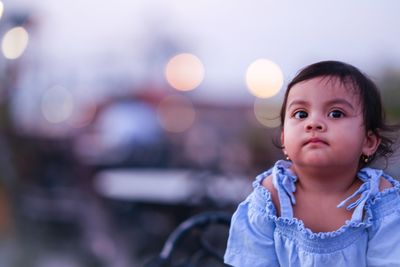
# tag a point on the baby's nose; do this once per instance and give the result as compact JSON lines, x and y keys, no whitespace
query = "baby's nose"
{"x":315,"y":125}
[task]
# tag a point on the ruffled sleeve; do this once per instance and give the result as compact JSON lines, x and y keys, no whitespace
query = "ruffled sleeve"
{"x":384,"y":235}
{"x":251,"y":241}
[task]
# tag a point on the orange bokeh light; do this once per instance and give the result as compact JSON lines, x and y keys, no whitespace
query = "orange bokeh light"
{"x":176,"y":113}
{"x":184,"y":72}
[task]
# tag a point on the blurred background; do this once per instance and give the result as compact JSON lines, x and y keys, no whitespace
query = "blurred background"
{"x":120,"y":119}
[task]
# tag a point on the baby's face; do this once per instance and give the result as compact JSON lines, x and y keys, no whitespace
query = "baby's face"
{"x":323,"y":124}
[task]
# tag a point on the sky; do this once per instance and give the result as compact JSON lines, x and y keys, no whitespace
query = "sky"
{"x":133,"y":40}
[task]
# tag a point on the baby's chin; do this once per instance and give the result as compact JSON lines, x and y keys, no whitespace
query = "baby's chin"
{"x":313,"y":162}
{"x":321,"y":164}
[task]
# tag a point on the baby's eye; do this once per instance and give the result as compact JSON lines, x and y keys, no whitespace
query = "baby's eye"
{"x":336,"y":114}
{"x":301,"y":114}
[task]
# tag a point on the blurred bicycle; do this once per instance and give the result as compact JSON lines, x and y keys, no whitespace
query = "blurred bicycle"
{"x":198,"y":241}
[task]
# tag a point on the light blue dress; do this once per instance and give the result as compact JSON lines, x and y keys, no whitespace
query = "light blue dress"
{"x":371,"y":238}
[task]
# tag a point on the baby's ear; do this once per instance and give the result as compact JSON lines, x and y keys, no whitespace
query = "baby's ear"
{"x":371,"y":144}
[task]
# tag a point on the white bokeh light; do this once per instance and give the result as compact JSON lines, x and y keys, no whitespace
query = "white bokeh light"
{"x":264,"y":78}
{"x":1,"y":9}
{"x":267,"y":112}
{"x":14,"y":42}
{"x":57,"y":104}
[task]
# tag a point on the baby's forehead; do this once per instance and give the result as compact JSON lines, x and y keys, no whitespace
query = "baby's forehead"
{"x":326,"y":86}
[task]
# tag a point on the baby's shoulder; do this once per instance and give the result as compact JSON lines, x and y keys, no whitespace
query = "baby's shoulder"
{"x":267,"y":184}
{"x":384,"y":184}
{"x":386,"y":201}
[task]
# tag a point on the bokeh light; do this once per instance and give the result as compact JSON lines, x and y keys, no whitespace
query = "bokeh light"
{"x":57,"y":104}
{"x":14,"y":42}
{"x":83,"y":116}
{"x":1,"y":9}
{"x":176,"y":113}
{"x":184,"y":72}
{"x":264,"y":78}
{"x":267,"y":112}
{"x":85,"y":106}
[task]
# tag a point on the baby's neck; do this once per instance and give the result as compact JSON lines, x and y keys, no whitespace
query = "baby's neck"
{"x":326,"y":181}
{"x":319,"y":191}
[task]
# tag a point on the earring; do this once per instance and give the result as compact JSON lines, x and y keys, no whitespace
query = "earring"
{"x":365,"y":158}
{"x":285,"y":153}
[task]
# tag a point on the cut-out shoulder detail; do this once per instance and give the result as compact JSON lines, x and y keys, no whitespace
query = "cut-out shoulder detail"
{"x":267,"y":183}
{"x":260,"y":238}
{"x":384,"y":184}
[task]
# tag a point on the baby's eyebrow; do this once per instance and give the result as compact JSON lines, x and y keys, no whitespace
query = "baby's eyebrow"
{"x":335,"y":101}
{"x":298,"y":103}
{"x":339,"y":101}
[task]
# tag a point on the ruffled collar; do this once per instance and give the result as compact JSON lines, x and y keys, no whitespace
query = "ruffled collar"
{"x":284,"y":180}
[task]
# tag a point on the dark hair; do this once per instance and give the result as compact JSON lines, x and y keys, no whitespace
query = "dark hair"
{"x":373,"y":113}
